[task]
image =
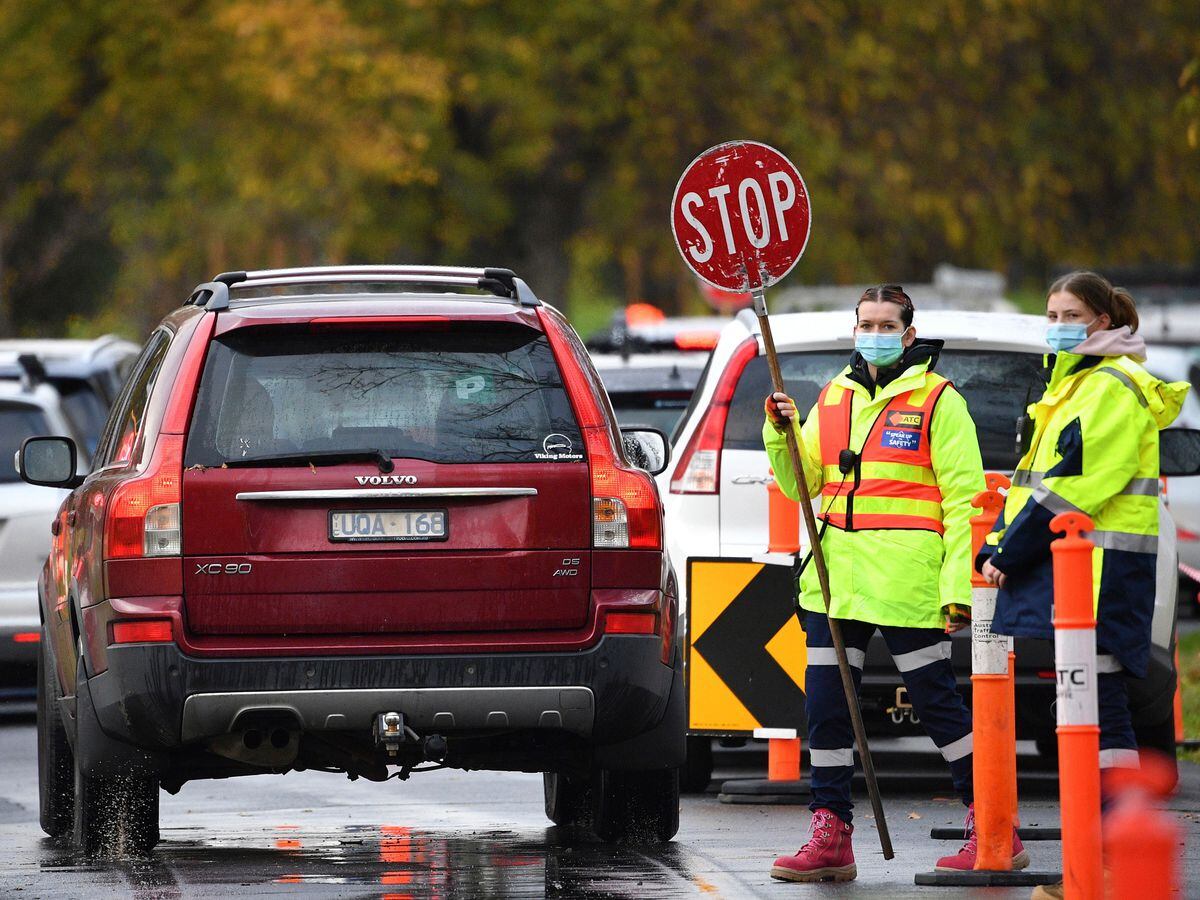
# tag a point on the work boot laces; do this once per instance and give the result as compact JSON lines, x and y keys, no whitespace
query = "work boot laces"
{"x":972,"y":845}
{"x":823,"y":826}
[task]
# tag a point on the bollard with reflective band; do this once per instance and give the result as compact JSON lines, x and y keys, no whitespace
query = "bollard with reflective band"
{"x":783,"y":784}
{"x":1141,"y":842}
{"x":1078,"y":708}
{"x":992,"y":712}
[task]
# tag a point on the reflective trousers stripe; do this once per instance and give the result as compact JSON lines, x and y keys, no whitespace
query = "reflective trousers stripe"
{"x":1119,"y":759}
{"x":827,"y":656}
{"x":916,"y":659}
{"x":960,"y":748}
{"x":1107,"y":664}
{"x":827,"y":758}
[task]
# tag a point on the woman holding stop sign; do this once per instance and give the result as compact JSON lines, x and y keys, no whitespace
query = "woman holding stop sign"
{"x":891,"y":452}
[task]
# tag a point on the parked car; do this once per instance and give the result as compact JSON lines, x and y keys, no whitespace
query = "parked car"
{"x":650,"y":389}
{"x":717,"y":482}
{"x":1175,"y":362}
{"x":88,"y":375}
{"x":359,"y":519}
{"x":26,"y":516}
{"x":642,"y":328}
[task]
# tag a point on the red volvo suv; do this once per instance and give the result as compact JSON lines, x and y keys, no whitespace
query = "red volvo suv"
{"x":367,"y":520}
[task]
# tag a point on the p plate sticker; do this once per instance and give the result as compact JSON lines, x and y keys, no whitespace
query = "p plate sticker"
{"x":557,"y":447}
{"x":898,"y":439}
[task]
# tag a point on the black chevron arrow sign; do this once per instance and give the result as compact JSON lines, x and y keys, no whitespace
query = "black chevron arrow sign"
{"x":735,"y":646}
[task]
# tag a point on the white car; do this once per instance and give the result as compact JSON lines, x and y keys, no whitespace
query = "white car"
{"x":1172,"y":362}
{"x":715,"y":488}
{"x":26,"y":513}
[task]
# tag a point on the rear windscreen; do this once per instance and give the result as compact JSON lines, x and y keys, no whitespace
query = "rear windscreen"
{"x":460,"y":395}
{"x":996,"y":385}
{"x":17,"y":422}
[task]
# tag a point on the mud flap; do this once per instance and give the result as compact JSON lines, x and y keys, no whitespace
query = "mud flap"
{"x":662,"y":747}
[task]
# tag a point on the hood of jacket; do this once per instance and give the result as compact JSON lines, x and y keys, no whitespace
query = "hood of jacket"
{"x":1113,"y":342}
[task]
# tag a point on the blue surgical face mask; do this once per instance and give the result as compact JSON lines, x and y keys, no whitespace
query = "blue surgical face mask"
{"x":879,"y":349}
{"x":1066,"y":335}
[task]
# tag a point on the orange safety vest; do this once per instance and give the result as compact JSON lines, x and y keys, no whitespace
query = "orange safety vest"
{"x":892,"y":484}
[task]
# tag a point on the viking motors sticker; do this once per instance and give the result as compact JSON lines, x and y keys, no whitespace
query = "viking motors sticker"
{"x":899,"y":439}
{"x":557,"y":446}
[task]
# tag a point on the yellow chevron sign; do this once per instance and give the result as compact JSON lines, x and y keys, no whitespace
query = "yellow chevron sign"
{"x":746,"y":650}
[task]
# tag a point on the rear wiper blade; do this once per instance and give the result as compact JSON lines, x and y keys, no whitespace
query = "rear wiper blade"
{"x":326,"y":456}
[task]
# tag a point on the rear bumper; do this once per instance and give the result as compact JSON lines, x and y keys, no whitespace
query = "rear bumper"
{"x":154,"y":697}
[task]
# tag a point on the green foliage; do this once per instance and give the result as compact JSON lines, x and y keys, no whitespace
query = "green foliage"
{"x":144,"y":147}
{"x":1189,"y":683}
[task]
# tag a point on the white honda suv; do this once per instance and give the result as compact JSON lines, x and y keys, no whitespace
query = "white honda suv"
{"x":715,"y":491}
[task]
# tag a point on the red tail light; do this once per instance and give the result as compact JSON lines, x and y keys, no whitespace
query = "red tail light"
{"x":143,"y":512}
{"x":698,"y":470}
{"x":625,"y":507}
{"x":631,"y":623}
{"x":141,"y":632}
{"x":27,"y":637}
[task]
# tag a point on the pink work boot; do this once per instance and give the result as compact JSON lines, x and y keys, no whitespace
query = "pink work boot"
{"x":964,"y":859}
{"x":828,"y":856}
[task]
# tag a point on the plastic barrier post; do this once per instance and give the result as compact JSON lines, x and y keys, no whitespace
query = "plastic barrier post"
{"x":1141,"y":842}
{"x":782,"y":784}
{"x":783,"y":522}
{"x":994,"y":726}
{"x":1078,"y":708}
{"x":994,"y":721}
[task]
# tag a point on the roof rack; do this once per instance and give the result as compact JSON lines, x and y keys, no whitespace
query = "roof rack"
{"x":215,"y":294}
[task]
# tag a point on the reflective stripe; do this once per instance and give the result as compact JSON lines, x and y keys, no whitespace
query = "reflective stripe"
{"x":960,"y":748}
{"x":1027,"y":478}
{"x":878,"y":522}
{"x":1119,"y":759}
{"x":1121,"y":540}
{"x":888,"y":506}
{"x":1046,"y":498}
{"x":1107,"y":664}
{"x":1143,"y":487}
{"x":828,"y":758}
{"x":916,"y":659}
{"x":1125,"y":380}
{"x":827,"y":656}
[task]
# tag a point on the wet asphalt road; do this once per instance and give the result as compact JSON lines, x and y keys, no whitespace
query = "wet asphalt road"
{"x":454,"y":834}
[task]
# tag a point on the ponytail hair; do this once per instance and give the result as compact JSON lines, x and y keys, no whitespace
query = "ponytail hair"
{"x":1100,"y":297}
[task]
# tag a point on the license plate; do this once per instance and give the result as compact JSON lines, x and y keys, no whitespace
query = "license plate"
{"x":387,"y":525}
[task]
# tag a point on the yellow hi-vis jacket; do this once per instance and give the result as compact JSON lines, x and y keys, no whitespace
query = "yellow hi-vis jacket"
{"x":1094,"y":449}
{"x":890,"y":576}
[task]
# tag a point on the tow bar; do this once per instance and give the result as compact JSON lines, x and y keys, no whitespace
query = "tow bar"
{"x":391,"y":731}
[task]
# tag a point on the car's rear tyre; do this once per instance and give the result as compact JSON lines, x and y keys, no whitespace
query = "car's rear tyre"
{"x":698,"y":768}
{"x":56,"y":764}
{"x":639,"y":808}
{"x":116,"y":814}
{"x":568,"y":800}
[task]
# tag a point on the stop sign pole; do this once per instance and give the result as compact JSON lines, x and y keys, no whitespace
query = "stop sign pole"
{"x":741,"y":220}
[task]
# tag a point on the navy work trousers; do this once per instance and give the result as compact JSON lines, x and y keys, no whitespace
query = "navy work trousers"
{"x":923,"y":657}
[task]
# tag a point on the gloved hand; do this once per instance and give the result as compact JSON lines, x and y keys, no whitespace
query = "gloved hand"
{"x":780,"y":409}
{"x":957,"y":617}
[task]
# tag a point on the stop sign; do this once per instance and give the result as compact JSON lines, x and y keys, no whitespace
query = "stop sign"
{"x":741,"y":216}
